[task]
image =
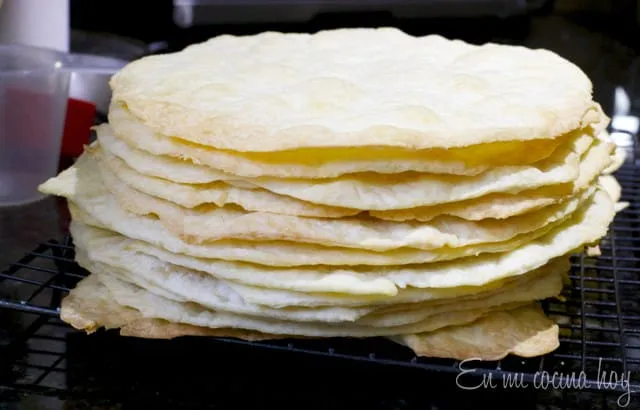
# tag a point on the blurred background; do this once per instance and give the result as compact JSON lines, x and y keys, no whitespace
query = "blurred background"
{"x":600,"y":36}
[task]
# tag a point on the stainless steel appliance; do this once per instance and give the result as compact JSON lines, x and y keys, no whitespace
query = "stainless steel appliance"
{"x":188,"y":13}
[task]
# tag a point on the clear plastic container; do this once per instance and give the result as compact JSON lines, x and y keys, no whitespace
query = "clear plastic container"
{"x":34,"y":85}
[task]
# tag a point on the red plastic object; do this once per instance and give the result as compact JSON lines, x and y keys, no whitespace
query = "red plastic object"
{"x":77,"y":127}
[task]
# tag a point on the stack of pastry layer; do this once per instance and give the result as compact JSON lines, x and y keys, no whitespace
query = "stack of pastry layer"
{"x":349,"y":183}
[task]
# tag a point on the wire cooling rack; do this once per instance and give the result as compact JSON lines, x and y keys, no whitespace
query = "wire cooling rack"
{"x":599,"y":320}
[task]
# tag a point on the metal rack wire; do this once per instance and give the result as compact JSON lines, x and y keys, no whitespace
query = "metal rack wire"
{"x":600,"y":321}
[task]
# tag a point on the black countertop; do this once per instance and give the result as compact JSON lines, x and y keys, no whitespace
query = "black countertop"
{"x":586,"y":41}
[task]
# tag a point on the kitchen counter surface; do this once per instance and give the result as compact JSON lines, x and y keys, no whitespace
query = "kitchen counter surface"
{"x":608,"y":62}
